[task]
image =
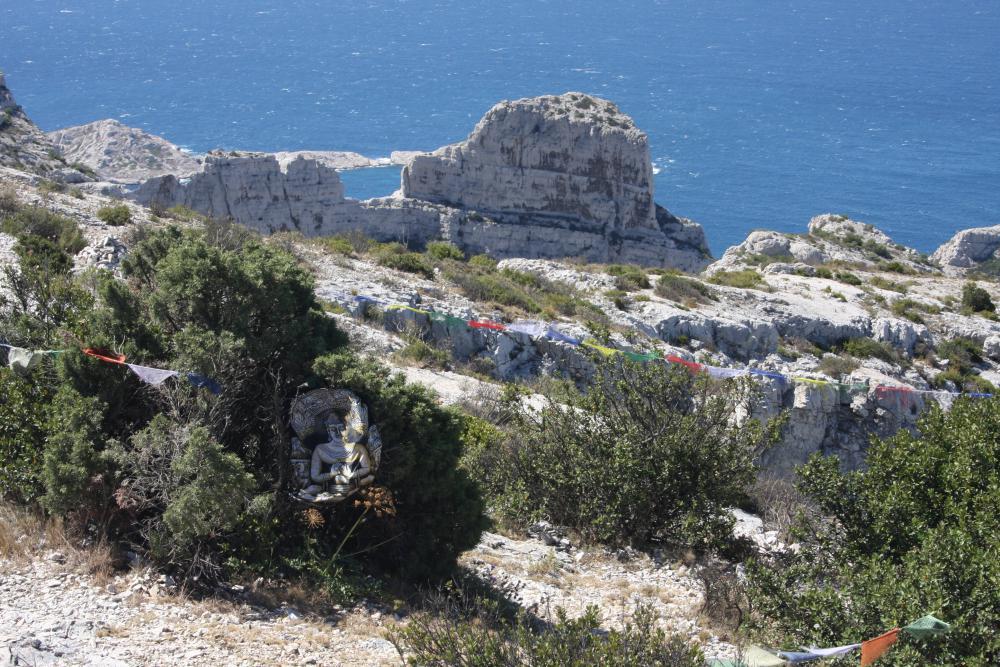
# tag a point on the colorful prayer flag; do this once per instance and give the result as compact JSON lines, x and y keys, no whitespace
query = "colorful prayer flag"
{"x":153,"y":376}
{"x":21,"y":360}
{"x":928,"y":626}
{"x":484,"y":324}
{"x":104,"y":355}
{"x":204,"y":382}
{"x":873,"y":649}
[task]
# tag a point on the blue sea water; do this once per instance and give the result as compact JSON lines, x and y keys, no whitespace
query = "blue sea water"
{"x":760,"y":114}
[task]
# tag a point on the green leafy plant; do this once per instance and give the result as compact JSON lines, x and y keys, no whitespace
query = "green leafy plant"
{"x":976,"y":299}
{"x":681,"y":289}
{"x":116,"y":216}
{"x":648,"y":452}
{"x":915,"y":532}
{"x":746,"y":279}
{"x":441,"y":250}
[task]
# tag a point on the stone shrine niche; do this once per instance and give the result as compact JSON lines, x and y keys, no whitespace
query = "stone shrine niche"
{"x":334,"y":452}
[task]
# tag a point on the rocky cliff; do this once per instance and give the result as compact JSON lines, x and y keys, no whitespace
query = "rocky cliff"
{"x":23,"y":146}
{"x":117,"y":152}
{"x":565,"y":176}
{"x":976,"y":249}
{"x":548,"y":169}
{"x":256,"y":190}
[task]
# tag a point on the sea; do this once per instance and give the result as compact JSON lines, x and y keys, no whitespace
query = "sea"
{"x":760,"y":114}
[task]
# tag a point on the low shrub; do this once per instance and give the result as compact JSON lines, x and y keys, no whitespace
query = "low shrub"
{"x":912,"y":310}
{"x":688,"y":291}
{"x":976,"y":299}
{"x":396,"y":256}
{"x":484,"y":636}
{"x":441,"y":250}
{"x":628,"y":278}
{"x":648,"y":452}
{"x":836,"y":366}
{"x":423,"y":354}
{"x":116,"y":216}
{"x":340,"y":245}
{"x":882,"y":283}
{"x":896,"y":267}
{"x":42,"y":223}
{"x":9,"y":202}
{"x":866,"y":348}
{"x":746,"y":279}
{"x":849,"y":278}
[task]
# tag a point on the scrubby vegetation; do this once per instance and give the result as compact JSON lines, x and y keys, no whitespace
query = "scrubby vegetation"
{"x":912,"y":310}
{"x":746,"y":279}
{"x":195,"y":482}
{"x":116,"y":216}
{"x":916,"y":532}
{"x":479,"y":634}
{"x":977,"y":300}
{"x":687,"y":291}
{"x":648,"y":454}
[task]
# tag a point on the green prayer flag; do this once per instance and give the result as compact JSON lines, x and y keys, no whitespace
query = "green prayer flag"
{"x":928,"y":626}
{"x":758,"y":657}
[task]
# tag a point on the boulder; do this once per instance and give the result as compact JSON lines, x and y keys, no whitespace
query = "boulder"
{"x":967,"y":249}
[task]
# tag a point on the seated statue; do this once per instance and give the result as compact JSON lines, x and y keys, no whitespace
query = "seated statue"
{"x":343,"y":463}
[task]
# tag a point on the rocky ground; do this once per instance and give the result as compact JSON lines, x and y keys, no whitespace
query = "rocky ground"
{"x":53,"y":611}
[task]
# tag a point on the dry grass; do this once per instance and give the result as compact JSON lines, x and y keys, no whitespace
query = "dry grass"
{"x":26,"y":534}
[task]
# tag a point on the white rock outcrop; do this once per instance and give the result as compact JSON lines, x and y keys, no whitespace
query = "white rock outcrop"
{"x":117,"y":152}
{"x":547,"y":177}
{"x":967,"y":249}
{"x":568,"y":169}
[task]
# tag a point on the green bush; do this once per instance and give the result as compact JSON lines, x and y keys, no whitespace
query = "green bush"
{"x":396,"y":256}
{"x":746,"y":279}
{"x":687,"y":291}
{"x":22,"y":435}
{"x":187,"y":486}
{"x":200,"y":483}
{"x":118,"y":215}
{"x":441,"y":250}
{"x":912,"y":310}
{"x":424,"y":354}
{"x":628,"y":278}
{"x":337,"y":244}
{"x":849,"y":278}
{"x":976,"y":299}
{"x":9,"y":203}
{"x":916,"y":532}
{"x":895,"y":267}
{"x":453,"y":637}
{"x":836,"y":366}
{"x":649,"y":452}
{"x":879,"y":281}
{"x":40,"y":222}
{"x":866,"y":348}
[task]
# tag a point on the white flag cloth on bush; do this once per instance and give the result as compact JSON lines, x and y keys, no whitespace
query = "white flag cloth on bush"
{"x":152,"y":376}
{"x":21,"y":360}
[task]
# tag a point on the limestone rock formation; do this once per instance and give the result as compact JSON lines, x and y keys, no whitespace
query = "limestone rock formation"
{"x":830,"y":238}
{"x":569,"y":168}
{"x":968,"y":249}
{"x":547,"y":177}
{"x":257,"y":191}
{"x":25,"y":147}
{"x":117,"y":152}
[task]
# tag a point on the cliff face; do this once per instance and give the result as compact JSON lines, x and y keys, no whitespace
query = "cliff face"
{"x":121,"y":153}
{"x":968,"y":249}
{"x":556,"y":176}
{"x":25,"y":147}
{"x":571,"y":156}
{"x":256,"y":191}
{"x":548,"y":177}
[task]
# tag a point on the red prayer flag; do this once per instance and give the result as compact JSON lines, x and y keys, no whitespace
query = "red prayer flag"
{"x":873,"y":649}
{"x":104,"y":355}
{"x":482,"y":324}
{"x":691,"y":365}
